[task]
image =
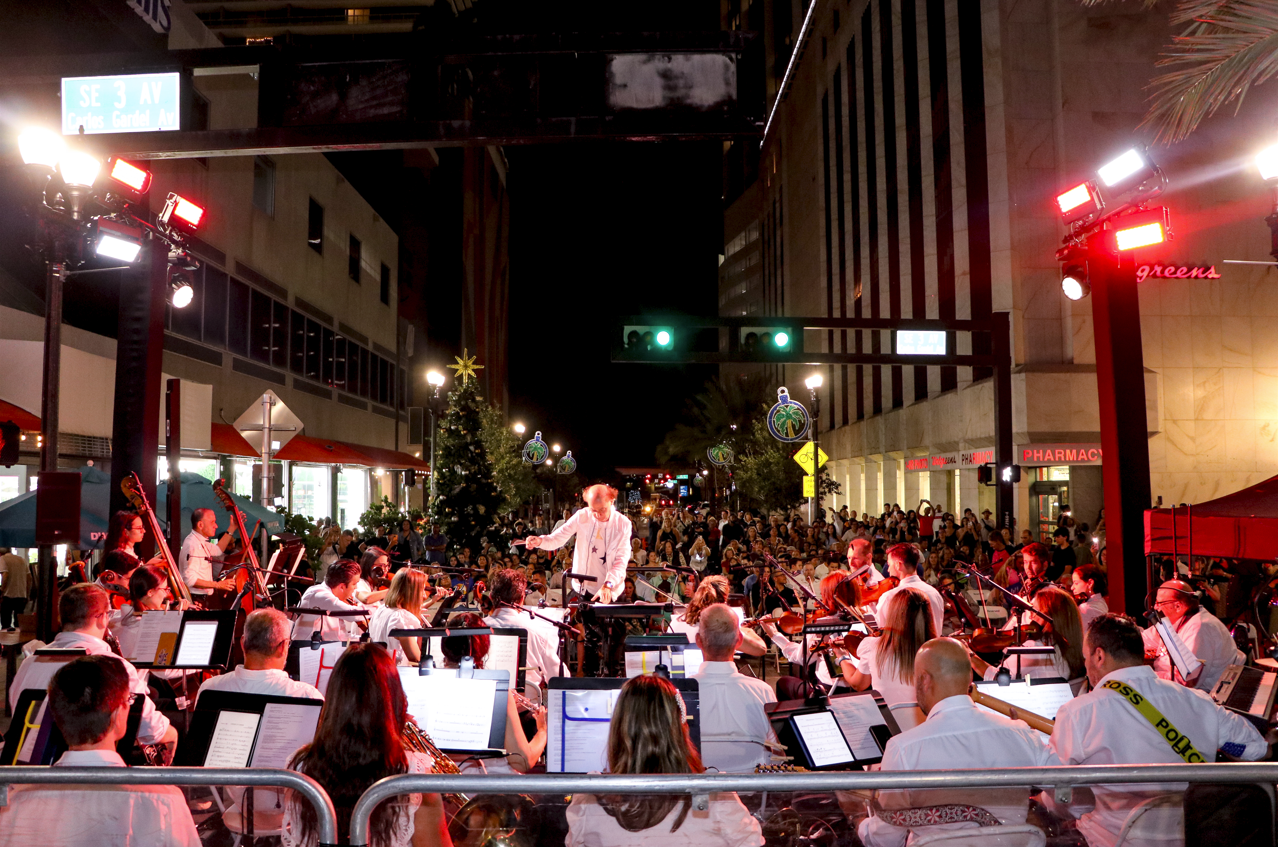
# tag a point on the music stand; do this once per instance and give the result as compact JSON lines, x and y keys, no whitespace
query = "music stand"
{"x":316,"y":651}
{"x":255,"y":741}
{"x":561,"y":691}
{"x":203,"y":643}
{"x":424,"y":706}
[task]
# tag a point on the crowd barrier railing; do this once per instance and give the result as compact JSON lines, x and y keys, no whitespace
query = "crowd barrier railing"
{"x":1060,"y":780}
{"x":308,"y":788}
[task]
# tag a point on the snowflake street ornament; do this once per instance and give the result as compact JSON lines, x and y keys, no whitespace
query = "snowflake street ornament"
{"x":466,"y":367}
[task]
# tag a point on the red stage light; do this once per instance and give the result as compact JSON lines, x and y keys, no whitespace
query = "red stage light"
{"x":182,"y":213}
{"x":1141,"y":230}
{"x":136,"y":179}
{"x":1079,"y":202}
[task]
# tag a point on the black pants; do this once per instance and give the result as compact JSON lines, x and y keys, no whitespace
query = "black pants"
{"x":10,"y":607}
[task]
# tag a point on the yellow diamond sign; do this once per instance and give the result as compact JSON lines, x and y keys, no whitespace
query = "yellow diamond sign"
{"x":809,"y":485}
{"x":804,"y":457}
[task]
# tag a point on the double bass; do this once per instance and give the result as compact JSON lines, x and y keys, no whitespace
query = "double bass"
{"x":249,"y":569}
{"x":132,"y":488}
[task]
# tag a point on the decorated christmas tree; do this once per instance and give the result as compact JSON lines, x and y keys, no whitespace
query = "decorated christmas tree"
{"x":466,"y":497}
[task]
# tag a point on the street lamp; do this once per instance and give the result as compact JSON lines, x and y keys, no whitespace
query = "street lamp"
{"x":436,"y":380}
{"x":556,"y":448}
{"x":519,"y":428}
{"x":814,"y":382}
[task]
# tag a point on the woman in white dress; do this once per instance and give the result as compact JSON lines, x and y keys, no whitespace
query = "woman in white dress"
{"x":359,"y":741}
{"x":649,"y":734}
{"x":887,"y":661}
{"x":403,"y":609}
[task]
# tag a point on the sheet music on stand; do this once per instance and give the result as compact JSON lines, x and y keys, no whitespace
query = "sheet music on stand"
{"x":858,"y":714}
{"x":579,"y":711}
{"x":231,"y":729}
{"x":190,"y":639}
{"x":462,"y":710}
{"x":507,"y":651}
{"x":1042,"y":696}
{"x":1182,"y":658}
{"x":315,"y":662}
{"x":644,"y":652}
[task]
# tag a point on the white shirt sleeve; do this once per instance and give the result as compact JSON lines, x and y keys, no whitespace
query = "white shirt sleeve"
{"x":560,"y":535}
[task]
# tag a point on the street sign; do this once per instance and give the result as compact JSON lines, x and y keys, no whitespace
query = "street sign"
{"x":809,"y":485}
{"x":920,"y":343}
{"x":121,"y":103}
{"x":804,"y":457}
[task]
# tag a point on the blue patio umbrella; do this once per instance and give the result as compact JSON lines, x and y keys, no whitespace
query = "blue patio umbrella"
{"x":197,"y":493}
{"x":18,"y":516}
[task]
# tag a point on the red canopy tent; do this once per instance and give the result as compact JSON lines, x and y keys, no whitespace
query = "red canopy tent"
{"x":1242,"y":525}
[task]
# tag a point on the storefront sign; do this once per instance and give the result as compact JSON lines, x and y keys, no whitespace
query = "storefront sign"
{"x":1177,"y":272}
{"x":976,"y":458}
{"x":934,"y":462}
{"x":1059,"y":454}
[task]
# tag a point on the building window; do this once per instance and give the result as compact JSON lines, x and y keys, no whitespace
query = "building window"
{"x":315,"y":227}
{"x":385,"y":284}
{"x":237,"y":329}
{"x":352,"y":260}
{"x":264,"y":185}
{"x":311,"y":487}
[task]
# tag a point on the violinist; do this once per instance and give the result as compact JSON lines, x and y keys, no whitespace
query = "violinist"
{"x":112,"y":575}
{"x":815,"y":673}
{"x":903,"y":564}
{"x":887,"y":661}
{"x":335,"y":594}
{"x":1089,"y":585}
{"x":374,"y":576}
{"x":1035,"y":561}
{"x":1064,"y":634}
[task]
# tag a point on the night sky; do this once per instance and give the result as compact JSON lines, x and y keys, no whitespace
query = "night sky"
{"x":600,"y":230}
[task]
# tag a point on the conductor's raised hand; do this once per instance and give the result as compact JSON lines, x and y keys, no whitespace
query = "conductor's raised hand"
{"x":532,"y":542}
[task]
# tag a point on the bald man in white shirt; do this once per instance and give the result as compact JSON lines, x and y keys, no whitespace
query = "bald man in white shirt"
{"x":89,"y":699}
{"x":1203,"y":633}
{"x":602,"y":547}
{"x":735,"y":731}
{"x":955,"y":735}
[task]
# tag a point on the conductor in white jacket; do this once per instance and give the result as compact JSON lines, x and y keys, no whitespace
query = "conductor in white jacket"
{"x":603,"y":544}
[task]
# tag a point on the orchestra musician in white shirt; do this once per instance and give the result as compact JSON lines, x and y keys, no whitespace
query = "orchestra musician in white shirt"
{"x":1090,"y":585}
{"x":265,"y":642}
{"x":335,"y":594}
{"x":887,"y":661}
{"x":89,"y":698}
{"x":602,"y":546}
{"x":86,"y":613}
{"x":903,"y":563}
{"x":1203,"y":633}
{"x":956,"y":734}
{"x":1132,"y":717}
{"x":736,"y":733}
{"x":507,"y":594}
{"x":648,"y":734}
{"x":198,"y":553}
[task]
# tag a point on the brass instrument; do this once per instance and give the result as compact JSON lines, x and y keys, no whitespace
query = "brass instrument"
{"x":415,"y":738}
{"x":1042,"y":724}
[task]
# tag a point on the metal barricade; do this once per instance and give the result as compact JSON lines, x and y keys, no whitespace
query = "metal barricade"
{"x":308,"y":788}
{"x":1060,"y":780}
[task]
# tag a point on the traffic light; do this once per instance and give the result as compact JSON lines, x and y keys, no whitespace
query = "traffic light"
{"x":646,"y":338}
{"x":985,"y":475}
{"x":765,"y":340}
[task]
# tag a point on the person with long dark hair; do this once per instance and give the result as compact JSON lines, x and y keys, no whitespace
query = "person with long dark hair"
{"x":648,"y":734}
{"x":359,"y":741}
{"x":124,"y":530}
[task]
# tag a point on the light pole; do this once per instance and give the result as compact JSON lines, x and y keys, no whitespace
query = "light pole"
{"x":520,"y":429}
{"x":1267,"y":164}
{"x":436,"y":380}
{"x":814,"y":503}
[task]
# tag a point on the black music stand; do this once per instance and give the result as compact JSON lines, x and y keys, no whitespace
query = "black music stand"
{"x":219,"y":654}
{"x":412,"y":678}
{"x":329,"y":613}
{"x":520,"y":672}
{"x":623,"y":611}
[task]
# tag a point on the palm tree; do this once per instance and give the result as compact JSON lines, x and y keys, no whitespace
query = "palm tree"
{"x":713,"y":416}
{"x":1226,"y":47}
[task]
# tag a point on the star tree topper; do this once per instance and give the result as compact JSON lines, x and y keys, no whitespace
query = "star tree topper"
{"x":465,"y":367}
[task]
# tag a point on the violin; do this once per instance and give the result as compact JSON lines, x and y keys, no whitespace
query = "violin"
{"x":871,"y":595}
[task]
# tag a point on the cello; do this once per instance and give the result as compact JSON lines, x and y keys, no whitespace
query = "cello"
{"x":248,"y":562}
{"x":132,"y":488}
